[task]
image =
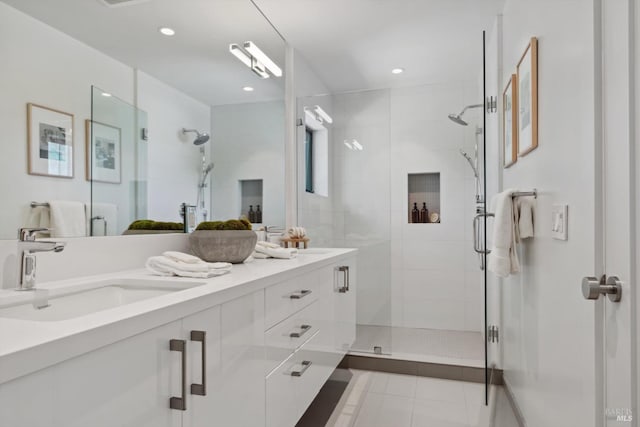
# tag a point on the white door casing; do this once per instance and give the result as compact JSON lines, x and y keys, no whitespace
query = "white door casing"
{"x":616,"y":379}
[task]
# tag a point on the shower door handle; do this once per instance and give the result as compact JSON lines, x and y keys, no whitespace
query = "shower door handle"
{"x":476,"y":233}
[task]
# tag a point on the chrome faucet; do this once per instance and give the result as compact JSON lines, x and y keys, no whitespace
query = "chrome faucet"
{"x":27,"y":248}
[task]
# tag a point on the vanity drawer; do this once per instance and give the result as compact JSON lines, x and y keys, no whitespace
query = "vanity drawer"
{"x":290,"y":334}
{"x":293,"y":386}
{"x":286,"y":298}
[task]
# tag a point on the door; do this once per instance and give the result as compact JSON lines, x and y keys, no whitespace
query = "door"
{"x":616,"y":334}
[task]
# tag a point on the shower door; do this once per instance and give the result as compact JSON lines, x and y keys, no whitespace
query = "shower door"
{"x":344,"y":197}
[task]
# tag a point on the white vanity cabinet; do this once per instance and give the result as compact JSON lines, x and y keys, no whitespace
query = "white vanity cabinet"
{"x":127,"y":383}
{"x":310,"y":327}
{"x":256,"y":360}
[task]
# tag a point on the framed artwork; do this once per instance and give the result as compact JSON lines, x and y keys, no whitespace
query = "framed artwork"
{"x":49,"y":142}
{"x":528,"y":99}
{"x":510,"y":122}
{"x":103,"y":152}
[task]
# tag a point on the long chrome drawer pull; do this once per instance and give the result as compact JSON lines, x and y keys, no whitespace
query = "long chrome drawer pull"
{"x":303,"y":293}
{"x":305,"y":366}
{"x":201,"y":389}
{"x":180,"y":403}
{"x":303,"y":330}
{"x":344,"y":269}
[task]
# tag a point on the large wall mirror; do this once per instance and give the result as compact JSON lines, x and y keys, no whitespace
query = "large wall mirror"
{"x":97,"y":96}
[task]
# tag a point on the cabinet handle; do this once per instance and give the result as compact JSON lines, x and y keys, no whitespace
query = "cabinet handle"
{"x":303,"y":330}
{"x":201,"y":389}
{"x":303,"y":293}
{"x":344,"y":269}
{"x":180,"y":403}
{"x":305,"y":366}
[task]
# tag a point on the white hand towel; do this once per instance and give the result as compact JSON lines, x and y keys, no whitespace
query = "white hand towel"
{"x":268,"y":245}
{"x":280,"y":253}
{"x":182,"y":257}
{"x":503,"y":259}
{"x":164,"y":266}
{"x":525,"y":207}
{"x":258,"y":255}
{"x":39,"y":217}
{"x":68,"y":219}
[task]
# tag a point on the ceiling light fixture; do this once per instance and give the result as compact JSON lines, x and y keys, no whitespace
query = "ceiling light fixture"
{"x":322,"y":115}
{"x":167,"y":31}
{"x":247,"y":89}
{"x":251,"y":56}
{"x":263,"y":58}
{"x":397,"y":70}
{"x":349,"y":146}
{"x":106,"y":95}
{"x":357,"y":145}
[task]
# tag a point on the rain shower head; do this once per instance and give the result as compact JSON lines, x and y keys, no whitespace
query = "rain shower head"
{"x":201,"y":138}
{"x":457,"y":118}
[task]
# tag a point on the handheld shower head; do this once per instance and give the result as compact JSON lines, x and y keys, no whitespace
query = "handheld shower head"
{"x":201,"y":138}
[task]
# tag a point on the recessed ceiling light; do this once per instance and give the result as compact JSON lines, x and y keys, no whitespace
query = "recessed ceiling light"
{"x":397,"y":70}
{"x":167,"y":31}
{"x":105,"y":94}
{"x":247,"y":89}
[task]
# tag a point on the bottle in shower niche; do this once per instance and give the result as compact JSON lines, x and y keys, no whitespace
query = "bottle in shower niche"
{"x":252,"y":214}
{"x":258,"y":215}
{"x":424,"y":213}
{"x":415,"y":214}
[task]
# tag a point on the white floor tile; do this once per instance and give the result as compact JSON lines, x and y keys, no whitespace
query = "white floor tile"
{"x":401,"y":385}
{"x":383,"y":410}
{"x":440,"y":390}
{"x":429,"y":413}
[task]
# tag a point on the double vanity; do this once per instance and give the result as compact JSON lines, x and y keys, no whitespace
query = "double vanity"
{"x":250,"y":348}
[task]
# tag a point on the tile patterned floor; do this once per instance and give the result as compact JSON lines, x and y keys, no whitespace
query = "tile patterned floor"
{"x":376,"y":399}
{"x":423,"y":345}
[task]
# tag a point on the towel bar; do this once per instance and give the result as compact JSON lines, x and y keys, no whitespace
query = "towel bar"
{"x":533,"y":193}
{"x":38,"y":205}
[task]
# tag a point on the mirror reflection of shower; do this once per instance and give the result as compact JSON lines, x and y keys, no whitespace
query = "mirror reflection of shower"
{"x":473,"y":162}
{"x":206,"y":168}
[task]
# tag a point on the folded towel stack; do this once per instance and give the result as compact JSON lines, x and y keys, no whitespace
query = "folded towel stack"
{"x":273,"y":250}
{"x":184,"y":265}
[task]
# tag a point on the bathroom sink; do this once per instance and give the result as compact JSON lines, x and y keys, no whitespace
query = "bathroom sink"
{"x":88,"y":298}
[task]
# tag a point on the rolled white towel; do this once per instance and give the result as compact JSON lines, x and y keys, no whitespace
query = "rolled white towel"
{"x":297,"y":232}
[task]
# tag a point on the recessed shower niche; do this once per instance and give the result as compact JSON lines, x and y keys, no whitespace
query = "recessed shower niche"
{"x":251,"y":199}
{"x":424,"y":198}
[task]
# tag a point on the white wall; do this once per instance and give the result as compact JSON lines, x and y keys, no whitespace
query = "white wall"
{"x":436,"y":280}
{"x":174,"y":163}
{"x":248,"y":143}
{"x":85,"y":256}
{"x":44,"y":66}
{"x":548,"y":333}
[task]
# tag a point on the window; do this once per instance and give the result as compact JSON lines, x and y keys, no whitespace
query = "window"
{"x":308,"y":160}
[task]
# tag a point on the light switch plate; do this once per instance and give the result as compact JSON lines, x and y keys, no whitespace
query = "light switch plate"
{"x":559,"y":221}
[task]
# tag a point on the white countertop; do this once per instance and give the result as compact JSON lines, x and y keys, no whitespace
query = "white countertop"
{"x":27,"y":346}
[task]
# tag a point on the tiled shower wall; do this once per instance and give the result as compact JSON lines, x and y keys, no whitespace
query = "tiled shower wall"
{"x":410,"y":275}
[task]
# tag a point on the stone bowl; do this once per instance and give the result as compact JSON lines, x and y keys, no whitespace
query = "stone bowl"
{"x":232,"y":246}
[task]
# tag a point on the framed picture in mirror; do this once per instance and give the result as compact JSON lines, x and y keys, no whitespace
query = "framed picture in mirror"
{"x":49,"y":142}
{"x":510,"y":122}
{"x":103,"y":152}
{"x":528,"y":99}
